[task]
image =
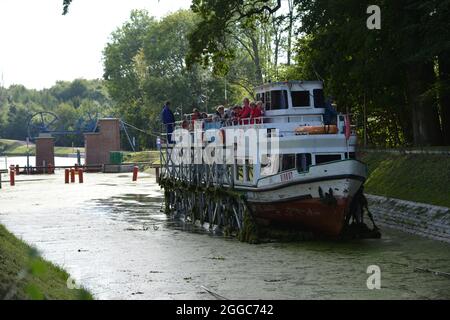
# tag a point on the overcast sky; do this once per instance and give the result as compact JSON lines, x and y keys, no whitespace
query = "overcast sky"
{"x":39,"y":46}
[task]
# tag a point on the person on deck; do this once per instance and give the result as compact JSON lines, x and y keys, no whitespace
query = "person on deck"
{"x":220,"y":114}
{"x":168,"y":119}
{"x":330,"y":116}
{"x":196,"y":115}
{"x":246,"y":112}
{"x":235,"y":112}
{"x":257,"y":112}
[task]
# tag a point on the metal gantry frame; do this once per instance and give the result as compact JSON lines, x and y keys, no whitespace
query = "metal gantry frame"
{"x":203,"y":193}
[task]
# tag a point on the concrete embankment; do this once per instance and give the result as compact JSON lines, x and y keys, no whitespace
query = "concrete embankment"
{"x":417,"y":218}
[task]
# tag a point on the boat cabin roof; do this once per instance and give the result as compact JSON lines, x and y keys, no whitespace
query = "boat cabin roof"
{"x":292,"y":97}
{"x":294,"y":85}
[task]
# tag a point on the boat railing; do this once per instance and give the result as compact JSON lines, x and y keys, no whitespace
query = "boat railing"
{"x":214,"y":123}
{"x":196,"y":174}
{"x":202,"y":125}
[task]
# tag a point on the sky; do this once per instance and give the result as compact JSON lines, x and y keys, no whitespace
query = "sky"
{"x":39,"y":46}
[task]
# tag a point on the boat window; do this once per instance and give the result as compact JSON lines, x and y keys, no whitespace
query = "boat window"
{"x":276,"y":100}
{"x":319,"y":99}
{"x":287,"y":162}
{"x":323,"y":158}
{"x":303,"y":161}
{"x":300,"y":98}
{"x":260,"y":97}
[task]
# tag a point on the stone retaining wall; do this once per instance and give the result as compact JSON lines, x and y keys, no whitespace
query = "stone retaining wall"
{"x":412,"y":217}
{"x":406,"y":151}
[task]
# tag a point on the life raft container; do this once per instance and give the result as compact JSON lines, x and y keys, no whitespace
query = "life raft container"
{"x":327,"y":129}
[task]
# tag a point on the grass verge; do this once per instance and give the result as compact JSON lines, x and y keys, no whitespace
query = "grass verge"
{"x":416,"y":177}
{"x":146,"y":158}
{"x":24,"y":275}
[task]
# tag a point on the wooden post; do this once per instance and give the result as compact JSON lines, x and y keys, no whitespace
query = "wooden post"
{"x":135,"y":173}
{"x":72,"y":175}
{"x":12,"y":181}
{"x":80,"y":175}
{"x":66,"y":176}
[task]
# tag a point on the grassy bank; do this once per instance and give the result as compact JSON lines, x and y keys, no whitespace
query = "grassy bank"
{"x":147,"y":157}
{"x":25,"y":275}
{"x":142,"y":156}
{"x":19,"y":148}
{"x":415,"y":177}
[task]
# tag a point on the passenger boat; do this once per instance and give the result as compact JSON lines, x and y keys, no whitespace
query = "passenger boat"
{"x":313,"y":181}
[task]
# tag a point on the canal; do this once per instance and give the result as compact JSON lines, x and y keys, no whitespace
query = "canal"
{"x":111,"y":236}
{"x":5,"y":161}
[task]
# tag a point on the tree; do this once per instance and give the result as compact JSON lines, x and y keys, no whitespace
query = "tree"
{"x":208,"y":41}
{"x":145,"y":66}
{"x":74,"y":103}
{"x":393,"y":69}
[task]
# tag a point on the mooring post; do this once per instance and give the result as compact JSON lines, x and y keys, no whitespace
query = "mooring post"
{"x":80,"y":175}
{"x":72,"y":175}
{"x":12,"y":181}
{"x":17,"y":170}
{"x":135,"y":173}
{"x":51,"y":170}
{"x":66,"y":176}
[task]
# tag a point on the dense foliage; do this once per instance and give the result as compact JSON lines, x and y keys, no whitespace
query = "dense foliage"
{"x":396,"y":77}
{"x":145,"y":66}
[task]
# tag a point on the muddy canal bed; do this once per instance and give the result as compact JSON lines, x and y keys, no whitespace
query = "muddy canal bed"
{"x":111,"y":235}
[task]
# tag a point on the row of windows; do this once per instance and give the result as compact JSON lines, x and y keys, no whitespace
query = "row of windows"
{"x":299,"y":161}
{"x":303,"y":161}
{"x":278,"y":99}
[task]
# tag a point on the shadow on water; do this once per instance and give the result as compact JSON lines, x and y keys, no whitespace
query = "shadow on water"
{"x":145,"y":211}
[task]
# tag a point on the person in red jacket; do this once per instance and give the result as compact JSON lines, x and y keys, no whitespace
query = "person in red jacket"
{"x":256,"y":113}
{"x":235,"y":114}
{"x":246,"y":112}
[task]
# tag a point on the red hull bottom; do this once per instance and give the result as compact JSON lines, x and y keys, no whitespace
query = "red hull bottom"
{"x":310,"y":214}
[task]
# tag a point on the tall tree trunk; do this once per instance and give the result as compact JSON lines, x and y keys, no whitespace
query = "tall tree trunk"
{"x":425,"y":118}
{"x":405,"y":122}
{"x":444,"y":95}
{"x":291,"y":24}
{"x":257,"y":59}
